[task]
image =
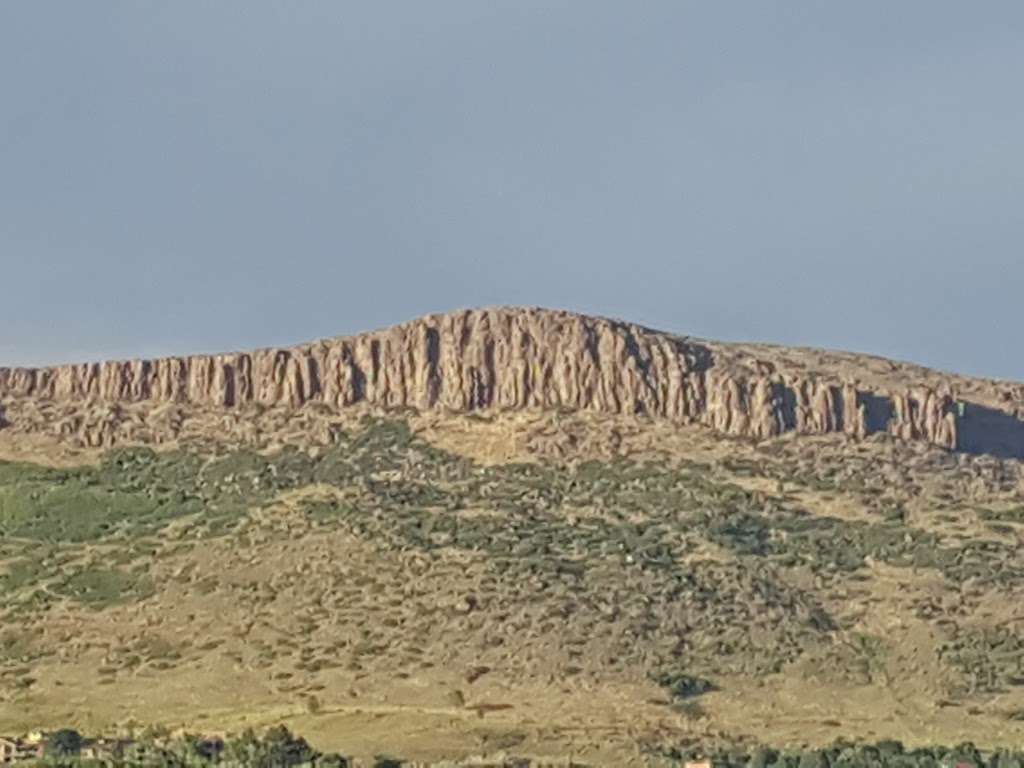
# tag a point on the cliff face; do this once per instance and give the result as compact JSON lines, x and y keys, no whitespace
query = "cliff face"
{"x":515,"y":359}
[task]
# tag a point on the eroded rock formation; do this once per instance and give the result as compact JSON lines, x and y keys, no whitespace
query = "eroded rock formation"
{"x":516,"y":359}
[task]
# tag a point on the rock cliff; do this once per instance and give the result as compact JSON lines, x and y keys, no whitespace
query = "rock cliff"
{"x":522,"y":359}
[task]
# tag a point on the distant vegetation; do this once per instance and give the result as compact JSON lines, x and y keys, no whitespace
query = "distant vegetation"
{"x":279,"y":748}
{"x":666,"y":570}
{"x":885,"y":754}
{"x":404,"y":493}
{"x":276,"y":748}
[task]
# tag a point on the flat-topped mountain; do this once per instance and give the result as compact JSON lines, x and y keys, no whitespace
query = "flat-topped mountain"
{"x":513,"y":359}
{"x":515,"y":532}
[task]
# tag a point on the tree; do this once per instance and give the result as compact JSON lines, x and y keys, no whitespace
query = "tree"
{"x":277,"y":749}
{"x":813,"y":759}
{"x":64,"y":743}
{"x":283,"y":749}
{"x":243,"y":749}
{"x":762,"y":758}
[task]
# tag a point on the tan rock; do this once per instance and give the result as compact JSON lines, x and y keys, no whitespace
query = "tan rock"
{"x":513,"y":359}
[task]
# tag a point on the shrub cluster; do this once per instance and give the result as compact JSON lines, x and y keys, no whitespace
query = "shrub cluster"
{"x":884,"y":754}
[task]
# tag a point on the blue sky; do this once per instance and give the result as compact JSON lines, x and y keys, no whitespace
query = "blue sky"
{"x":184,"y":177}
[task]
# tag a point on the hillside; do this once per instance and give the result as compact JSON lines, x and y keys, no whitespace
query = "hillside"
{"x":515,"y":531}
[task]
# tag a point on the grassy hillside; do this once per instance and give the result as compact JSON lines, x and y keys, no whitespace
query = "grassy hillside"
{"x":400,"y":589}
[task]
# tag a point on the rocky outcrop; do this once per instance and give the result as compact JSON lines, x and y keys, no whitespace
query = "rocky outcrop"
{"x":515,"y":359}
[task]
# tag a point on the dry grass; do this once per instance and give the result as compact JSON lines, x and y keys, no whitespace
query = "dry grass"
{"x":426,"y":638}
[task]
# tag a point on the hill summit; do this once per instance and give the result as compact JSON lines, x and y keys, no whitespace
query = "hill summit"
{"x":515,"y":358}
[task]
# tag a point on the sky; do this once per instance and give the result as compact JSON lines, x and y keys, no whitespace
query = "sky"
{"x":186,"y":177}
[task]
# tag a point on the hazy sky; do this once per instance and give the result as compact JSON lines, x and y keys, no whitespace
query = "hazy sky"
{"x":184,"y":177}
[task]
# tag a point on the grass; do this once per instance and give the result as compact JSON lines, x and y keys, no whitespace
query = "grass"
{"x":672,"y":572}
{"x":17,"y":644}
{"x":98,"y":587}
